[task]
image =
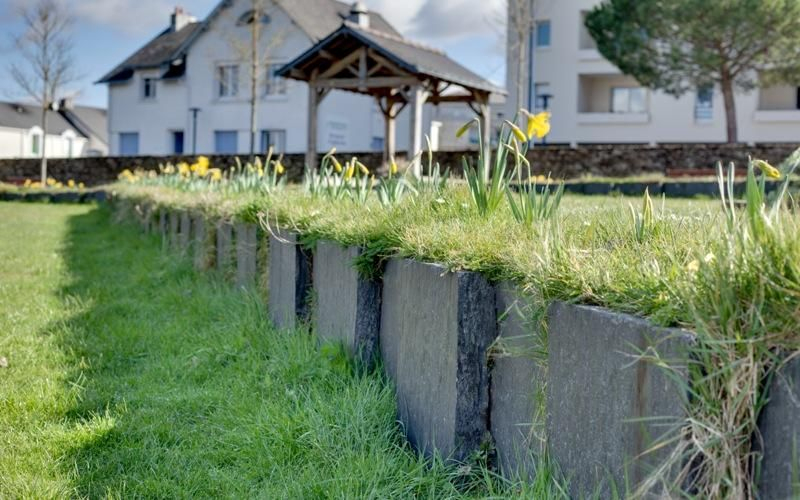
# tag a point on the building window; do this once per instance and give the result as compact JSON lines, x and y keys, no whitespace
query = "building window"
{"x":376,"y":144}
{"x":704,"y":104}
{"x":226,"y":142}
{"x":542,"y":33}
{"x":273,"y":84}
{"x":148,"y":88}
{"x":274,"y":138}
{"x":797,"y":101}
{"x":177,"y":142}
{"x":36,"y":144}
{"x":228,"y":80}
{"x":129,"y":143}
{"x":628,"y":100}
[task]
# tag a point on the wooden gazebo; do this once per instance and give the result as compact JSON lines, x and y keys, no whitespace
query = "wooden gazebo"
{"x":396,"y":72}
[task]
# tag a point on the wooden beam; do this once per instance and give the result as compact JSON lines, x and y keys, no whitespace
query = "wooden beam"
{"x":374,"y":82}
{"x":387,"y":63}
{"x":340,"y":65}
{"x":362,"y":69}
{"x":415,"y":99}
{"x":485,"y":117}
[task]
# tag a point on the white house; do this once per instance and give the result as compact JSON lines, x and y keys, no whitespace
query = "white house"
{"x":72,"y":131}
{"x":592,"y":102}
{"x":188,"y":89}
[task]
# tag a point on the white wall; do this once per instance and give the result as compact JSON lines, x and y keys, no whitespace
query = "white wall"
{"x":565,"y":66}
{"x":346,"y":119}
{"x":17,"y":143}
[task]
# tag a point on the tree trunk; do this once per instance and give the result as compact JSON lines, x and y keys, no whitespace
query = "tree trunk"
{"x":43,"y":144}
{"x":254,"y":78}
{"x":726,"y":83}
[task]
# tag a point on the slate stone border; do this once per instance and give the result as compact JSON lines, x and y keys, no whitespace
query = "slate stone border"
{"x":290,"y":280}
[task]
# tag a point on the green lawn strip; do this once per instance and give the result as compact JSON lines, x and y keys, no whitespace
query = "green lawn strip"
{"x":131,"y":375}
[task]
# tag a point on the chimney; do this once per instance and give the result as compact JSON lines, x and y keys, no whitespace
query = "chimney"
{"x":179,"y":19}
{"x":66,"y":103}
{"x":359,"y":14}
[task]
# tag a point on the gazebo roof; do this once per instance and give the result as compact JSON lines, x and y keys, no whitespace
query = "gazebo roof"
{"x":392,"y":57}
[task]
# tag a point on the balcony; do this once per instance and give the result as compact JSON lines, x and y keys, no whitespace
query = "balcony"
{"x":612,"y":99}
{"x":613,"y":118}
{"x":778,"y":104}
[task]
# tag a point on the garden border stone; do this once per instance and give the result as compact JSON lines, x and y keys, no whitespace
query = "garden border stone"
{"x":224,"y":246}
{"x":436,"y":329}
{"x":184,"y":231}
{"x":290,"y":279}
{"x":347,"y":306}
{"x":779,"y":424}
{"x":246,"y":251}
{"x":174,"y":219}
{"x":517,"y":382}
{"x":598,"y":394}
{"x":200,"y":244}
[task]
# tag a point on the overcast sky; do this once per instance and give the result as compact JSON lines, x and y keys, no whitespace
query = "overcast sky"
{"x":107,"y":31}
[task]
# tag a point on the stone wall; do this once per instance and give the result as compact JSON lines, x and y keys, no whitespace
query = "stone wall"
{"x":607,"y":160}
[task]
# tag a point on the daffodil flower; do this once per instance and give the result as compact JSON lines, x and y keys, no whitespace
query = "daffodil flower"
{"x":393,"y":168}
{"x":364,"y":170}
{"x":538,"y":124}
{"x":463,"y":129}
{"x":336,"y":164}
{"x":767,"y":169}
{"x":348,"y":173}
{"x":279,"y":168}
{"x":521,"y":137}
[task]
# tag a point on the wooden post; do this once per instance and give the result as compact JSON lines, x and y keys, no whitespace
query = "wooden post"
{"x":313,"y":104}
{"x":416,"y":100}
{"x":389,"y":134}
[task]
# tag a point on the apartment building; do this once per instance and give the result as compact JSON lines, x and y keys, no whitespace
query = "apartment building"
{"x":557,"y":65}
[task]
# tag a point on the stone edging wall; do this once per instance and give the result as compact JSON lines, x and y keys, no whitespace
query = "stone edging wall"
{"x":610,"y":160}
{"x":460,"y":354}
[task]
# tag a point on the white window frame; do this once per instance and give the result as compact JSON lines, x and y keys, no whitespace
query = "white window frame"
{"x":264,"y":142}
{"x":149,"y":81}
{"x":628,"y":106}
{"x":226,"y":81}
{"x":274,"y":87}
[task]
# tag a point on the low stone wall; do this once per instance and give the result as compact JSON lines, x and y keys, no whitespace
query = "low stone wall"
{"x":605,"y":160}
{"x":471,"y":372}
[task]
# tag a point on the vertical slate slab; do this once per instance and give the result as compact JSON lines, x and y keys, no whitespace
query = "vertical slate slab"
{"x":174,"y":228}
{"x":517,"y":386}
{"x":598,"y":394}
{"x":162,"y":224}
{"x":200,"y":242}
{"x":184,"y":231}
{"x":348,"y":307}
{"x":245,"y":254}
{"x":289,"y":280}
{"x":779,"y":424}
{"x":224,"y":246}
{"x":436,"y":328}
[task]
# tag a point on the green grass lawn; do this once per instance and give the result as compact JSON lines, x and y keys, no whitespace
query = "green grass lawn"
{"x":130,"y":375}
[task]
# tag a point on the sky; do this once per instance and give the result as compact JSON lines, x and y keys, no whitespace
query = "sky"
{"x":105,"y":32}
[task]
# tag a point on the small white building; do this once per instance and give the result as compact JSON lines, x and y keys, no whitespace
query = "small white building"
{"x":72,"y":131}
{"x":592,"y":102}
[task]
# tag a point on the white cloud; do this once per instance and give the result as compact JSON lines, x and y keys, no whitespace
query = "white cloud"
{"x":442,"y":19}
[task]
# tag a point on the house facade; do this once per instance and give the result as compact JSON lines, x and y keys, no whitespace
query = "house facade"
{"x":188,"y":90}
{"x":72,"y":131}
{"x":592,"y":102}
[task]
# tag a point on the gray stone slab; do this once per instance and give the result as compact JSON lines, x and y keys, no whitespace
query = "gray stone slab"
{"x":184,"y":231}
{"x":246,"y":248}
{"x":779,"y":424}
{"x":517,"y":385}
{"x":163,"y":225}
{"x":436,"y":329}
{"x":289,"y":280}
{"x":224,"y":246}
{"x":174,"y":220}
{"x":599,"y":395}
{"x":200,"y":243}
{"x":347,"y":306}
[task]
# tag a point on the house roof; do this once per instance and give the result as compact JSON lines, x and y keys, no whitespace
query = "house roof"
{"x":316,"y":18}
{"x":413,"y":57}
{"x":89,"y":121}
{"x":27,"y":116}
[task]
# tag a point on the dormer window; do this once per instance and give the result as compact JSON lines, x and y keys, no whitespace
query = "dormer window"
{"x":148,"y":88}
{"x":249,"y":16}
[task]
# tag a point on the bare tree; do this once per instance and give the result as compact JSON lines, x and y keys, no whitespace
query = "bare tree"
{"x":46,"y":65}
{"x":256,"y":49}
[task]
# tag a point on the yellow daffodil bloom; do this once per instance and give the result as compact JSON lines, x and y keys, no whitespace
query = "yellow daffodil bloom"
{"x":372,"y":182}
{"x":521,"y":137}
{"x":51,"y":181}
{"x":27,"y":183}
{"x":463,"y":129}
{"x":71,"y":183}
{"x":538,"y":124}
{"x":81,"y":185}
{"x":349,"y":171}
{"x":216,"y":174}
{"x":393,"y":168}
{"x":336,"y":164}
{"x":203,"y":162}
{"x":36,"y":185}
{"x":58,"y":185}
{"x":260,"y":171}
{"x":364,"y":170}
{"x":169,"y":170}
{"x":767,"y":169}
{"x":279,"y":168}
